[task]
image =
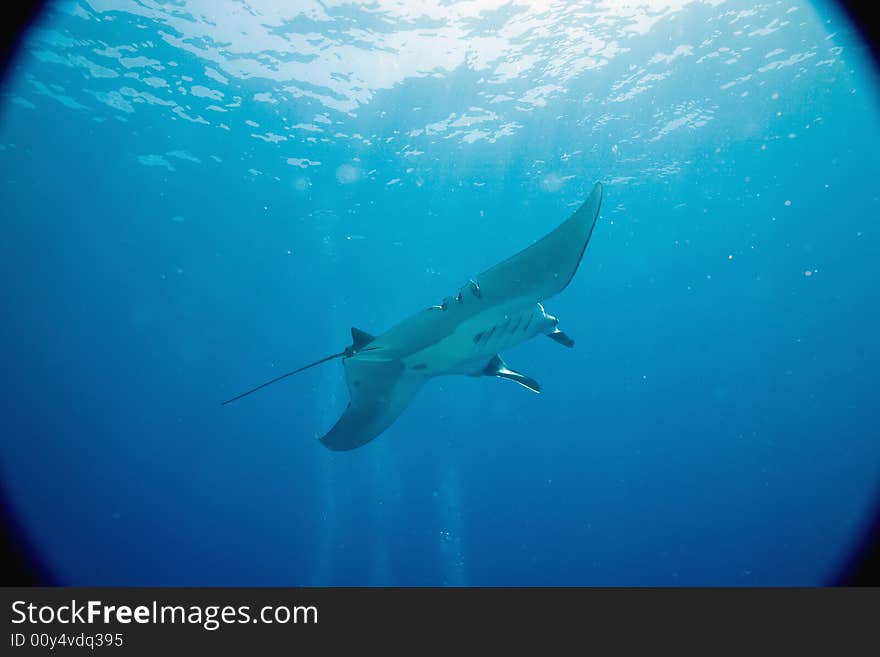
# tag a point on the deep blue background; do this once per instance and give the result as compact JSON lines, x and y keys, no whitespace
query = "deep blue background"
{"x":716,"y":423}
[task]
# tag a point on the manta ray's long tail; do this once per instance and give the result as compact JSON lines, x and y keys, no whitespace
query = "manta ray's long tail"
{"x":284,"y":376}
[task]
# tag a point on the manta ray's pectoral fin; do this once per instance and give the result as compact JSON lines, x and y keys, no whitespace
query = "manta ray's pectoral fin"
{"x":379,"y":392}
{"x":498,"y":367}
{"x":561,"y":337}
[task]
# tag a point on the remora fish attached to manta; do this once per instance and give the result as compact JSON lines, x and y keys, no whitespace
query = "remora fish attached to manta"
{"x":497,"y":310}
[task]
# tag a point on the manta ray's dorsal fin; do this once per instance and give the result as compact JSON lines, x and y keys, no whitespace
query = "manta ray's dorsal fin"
{"x":360,"y":338}
{"x":499,"y":368}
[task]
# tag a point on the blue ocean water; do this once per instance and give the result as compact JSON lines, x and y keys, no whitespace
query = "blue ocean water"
{"x":198,"y":196}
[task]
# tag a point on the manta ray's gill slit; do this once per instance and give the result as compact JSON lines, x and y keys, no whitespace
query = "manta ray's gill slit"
{"x":515,"y":328}
{"x":506,"y":330}
{"x":496,"y":333}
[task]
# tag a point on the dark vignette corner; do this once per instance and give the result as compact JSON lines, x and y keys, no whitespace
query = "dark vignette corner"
{"x":17,"y":17}
{"x":863,"y":569}
{"x":20,"y":564}
{"x":864,"y":17}
{"x":18,"y":558}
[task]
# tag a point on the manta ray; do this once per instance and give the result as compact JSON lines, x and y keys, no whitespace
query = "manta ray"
{"x":497,"y":310}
